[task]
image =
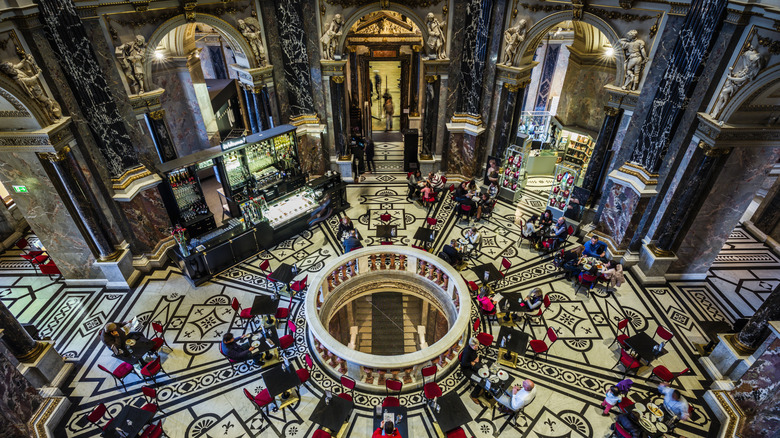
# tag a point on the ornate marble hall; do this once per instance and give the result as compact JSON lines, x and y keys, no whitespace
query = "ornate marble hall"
{"x":187,"y":167}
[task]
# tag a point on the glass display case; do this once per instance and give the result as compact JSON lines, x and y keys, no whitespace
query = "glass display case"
{"x":579,"y":148}
{"x":539,"y":126}
{"x":561,"y":190}
{"x":184,"y":200}
{"x":512,"y":170}
{"x":284,"y":210}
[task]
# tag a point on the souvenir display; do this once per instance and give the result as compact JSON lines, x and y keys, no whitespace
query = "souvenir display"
{"x":560,"y":193}
{"x":578,"y":149}
{"x":512,"y":171}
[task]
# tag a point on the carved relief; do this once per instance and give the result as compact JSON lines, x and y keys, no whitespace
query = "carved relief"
{"x":635,"y":60}
{"x":436,"y":42}
{"x":513,"y":38}
{"x":131,"y":56}
{"x":748,"y":65}
{"x":26,"y":74}
{"x":250,"y":28}
{"x":328,"y":39}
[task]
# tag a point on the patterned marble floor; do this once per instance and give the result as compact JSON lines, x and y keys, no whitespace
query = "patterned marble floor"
{"x":203,"y":397}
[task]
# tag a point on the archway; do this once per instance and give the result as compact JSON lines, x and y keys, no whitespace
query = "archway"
{"x":366,"y":10}
{"x":758,"y":92}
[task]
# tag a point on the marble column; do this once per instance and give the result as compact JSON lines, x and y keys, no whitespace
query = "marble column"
{"x":767,"y":215}
{"x":354,"y":86}
{"x":251,"y":112}
{"x":598,"y":159}
{"x":757,"y":328}
{"x":264,"y":105}
{"x":339,"y":117}
{"x":20,"y":344}
{"x":430,"y":114}
{"x":507,"y":103}
{"x":19,"y":400}
{"x":260,"y":109}
{"x":160,"y":135}
{"x":73,"y":182}
{"x":414,"y":82}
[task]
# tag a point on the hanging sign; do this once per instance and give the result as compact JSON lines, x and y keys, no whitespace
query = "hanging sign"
{"x":233,"y":142}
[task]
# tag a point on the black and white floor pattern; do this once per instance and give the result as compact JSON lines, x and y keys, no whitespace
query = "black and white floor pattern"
{"x":202,"y":397}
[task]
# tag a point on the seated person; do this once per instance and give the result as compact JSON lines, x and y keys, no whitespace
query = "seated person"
{"x":591,"y":276}
{"x":614,"y":274}
{"x":547,"y":220}
{"x":322,"y":212}
{"x":467,"y":200}
{"x":674,"y":402}
{"x":486,"y":304}
{"x":570,"y":262}
{"x":472,"y":186}
{"x":115,"y":334}
{"x":630,"y":423}
{"x":472,"y":238}
{"x":485,"y":206}
{"x":345,"y":226}
{"x":460,"y":192}
{"x":469,"y":358}
{"x":413,"y":181}
{"x":236,"y":352}
{"x":452,"y":252}
{"x":595,"y":248}
{"x":492,"y":190}
{"x":437,"y":184}
{"x":386,"y":428}
{"x":533,"y":301}
{"x":520,"y":397}
{"x":352,"y":242}
{"x":560,"y":232}
{"x":427,"y":192}
{"x":531,"y":230}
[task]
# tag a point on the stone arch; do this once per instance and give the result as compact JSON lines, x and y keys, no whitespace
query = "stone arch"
{"x":769,"y":78}
{"x":236,"y":41}
{"x":17,"y":111}
{"x":375,"y":7}
{"x":541,"y":27}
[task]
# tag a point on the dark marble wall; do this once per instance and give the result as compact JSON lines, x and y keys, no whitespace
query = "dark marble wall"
{"x":182,"y":112}
{"x":18,"y":401}
{"x":275,"y":57}
{"x":767,"y":215}
{"x":295,"y":60}
{"x":583,"y":97}
{"x":620,"y":203}
{"x":450,"y":87}
{"x":462,"y":147}
{"x":150,"y":228}
{"x":309,"y":10}
{"x":473,"y":59}
{"x":734,"y":189}
{"x":48,"y":217}
{"x":758,"y":394}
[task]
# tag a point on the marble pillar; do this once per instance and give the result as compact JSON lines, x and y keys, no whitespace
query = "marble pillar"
{"x":261,"y":109}
{"x":475,"y":47}
{"x":757,"y":327}
{"x":767,"y":216}
{"x":757,"y":393}
{"x":251,"y":111}
{"x":339,"y":117}
{"x":354,"y":86}
{"x":598,"y":159}
{"x":297,"y":75}
{"x":430,"y":113}
{"x":264,"y":105}
{"x":414,"y":82}
{"x":83,"y":201}
{"x":15,"y":337}
{"x":161,"y":136}
{"x":503,"y":130}
{"x":19,"y":400}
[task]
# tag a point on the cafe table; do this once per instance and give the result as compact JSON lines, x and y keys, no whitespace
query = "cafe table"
{"x":129,"y":422}
{"x":425,"y":235}
{"x":264,"y":342}
{"x":264,"y":305}
{"x":386,"y":232}
{"x":652,"y":426}
{"x":135,"y":353}
{"x":282,"y":274}
{"x":643,"y":345}
{"x":331,"y":413}
{"x":514,"y":343}
{"x":452,"y":413}
{"x":490,"y":270}
{"x":510,"y":303}
{"x":279,"y":381}
{"x":400,"y":420}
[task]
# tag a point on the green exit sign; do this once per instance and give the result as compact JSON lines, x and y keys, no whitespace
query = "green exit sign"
{"x":20,"y":189}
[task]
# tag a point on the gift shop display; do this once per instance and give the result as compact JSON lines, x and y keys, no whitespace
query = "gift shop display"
{"x":563,"y":184}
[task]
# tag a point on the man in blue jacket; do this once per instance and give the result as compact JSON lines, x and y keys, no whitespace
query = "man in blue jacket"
{"x":595,"y":248}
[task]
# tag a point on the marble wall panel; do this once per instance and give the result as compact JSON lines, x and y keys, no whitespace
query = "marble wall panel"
{"x":310,"y":8}
{"x":758,"y":394}
{"x":19,"y":401}
{"x":731,"y":194}
{"x":293,"y":44}
{"x":275,"y":57}
{"x":150,"y":229}
{"x":619,"y":206}
{"x":311,"y":151}
{"x":48,"y":216}
{"x":182,"y":112}
{"x":675,"y":182}
{"x":441,"y":118}
{"x":583,"y":97}
{"x":457,"y":37}
{"x":462,"y":159}
{"x":473,"y":58}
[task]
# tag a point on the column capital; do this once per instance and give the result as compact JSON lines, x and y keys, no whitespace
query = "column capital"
{"x":333,"y":68}
{"x":158,"y":114}
{"x":514,"y":88}
{"x":337,"y":79}
{"x":146,"y":102}
{"x":712,"y":151}
{"x":254,"y":77}
{"x":416,"y":48}
{"x":620,"y":98}
{"x":431,"y":78}
{"x":611,"y":111}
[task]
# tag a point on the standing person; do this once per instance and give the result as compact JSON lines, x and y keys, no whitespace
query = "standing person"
{"x":469,"y":359}
{"x":377,"y":84}
{"x":357,"y":154}
{"x":611,"y":398}
{"x":369,"y":151}
{"x":674,"y":402}
{"x":389,"y":110}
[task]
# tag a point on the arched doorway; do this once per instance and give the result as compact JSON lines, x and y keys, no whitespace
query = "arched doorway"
{"x":381,"y":46}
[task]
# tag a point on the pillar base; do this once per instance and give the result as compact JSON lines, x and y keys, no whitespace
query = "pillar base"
{"x":50,"y":413}
{"x":726,"y":411}
{"x":344,"y":167}
{"x":726,"y":362}
{"x":49,"y":369}
{"x":653,"y":264}
{"x":428,"y":165}
{"x":118,"y":270}
{"x":415,"y":122}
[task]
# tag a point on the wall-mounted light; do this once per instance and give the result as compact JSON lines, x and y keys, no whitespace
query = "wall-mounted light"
{"x":610,"y":52}
{"x":159,"y":55}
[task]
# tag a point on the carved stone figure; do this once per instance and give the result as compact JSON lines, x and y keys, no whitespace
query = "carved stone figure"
{"x":749,"y":64}
{"x":635,"y":59}
{"x":250,"y":28}
{"x":328,"y":39}
{"x":436,"y":43}
{"x":26,"y":74}
{"x":513,"y":37}
{"x":131,"y":56}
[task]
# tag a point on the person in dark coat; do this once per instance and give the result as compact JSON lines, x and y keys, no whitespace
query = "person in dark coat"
{"x":369,"y":151}
{"x":237,"y":352}
{"x":629,"y":422}
{"x":469,"y":359}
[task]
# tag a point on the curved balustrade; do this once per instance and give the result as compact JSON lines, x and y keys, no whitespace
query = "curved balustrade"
{"x":409,"y":270}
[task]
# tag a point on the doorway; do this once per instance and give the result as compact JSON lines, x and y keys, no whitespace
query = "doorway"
{"x":385,"y":79}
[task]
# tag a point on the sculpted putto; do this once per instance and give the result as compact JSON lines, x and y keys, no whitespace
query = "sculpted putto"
{"x":751,"y":63}
{"x":131,"y":56}
{"x":26,"y":74}
{"x":250,"y":28}
{"x":513,"y":37}
{"x":328,"y":39}
{"x":436,"y":43}
{"x":635,"y":59}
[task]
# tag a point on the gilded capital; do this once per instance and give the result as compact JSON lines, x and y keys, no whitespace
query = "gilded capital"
{"x":514,"y":88}
{"x":157,"y":115}
{"x":416,"y":48}
{"x":611,"y":111}
{"x":431,"y":78}
{"x":337,"y":79}
{"x":712,"y":151}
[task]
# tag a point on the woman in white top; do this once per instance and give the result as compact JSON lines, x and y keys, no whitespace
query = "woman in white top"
{"x":531,"y":230}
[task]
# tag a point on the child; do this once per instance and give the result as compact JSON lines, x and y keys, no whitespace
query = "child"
{"x":612,"y":398}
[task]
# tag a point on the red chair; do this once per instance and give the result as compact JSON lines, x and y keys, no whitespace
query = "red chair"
{"x":385,"y":217}
{"x":431,"y":389}
{"x":158,"y":343}
{"x":463,"y":210}
{"x":283,"y":313}
{"x":473,"y":287}
{"x":305,"y":373}
{"x":457,"y":433}
{"x":120,"y":372}
{"x":452,"y":189}
{"x":300,"y":285}
{"x":265,"y":268}
{"x":25,"y":246}
{"x":622,"y":334}
{"x":50,"y":269}
{"x":540,"y":346}
{"x":245,"y":315}
{"x":419,"y":247}
{"x":152,"y":369}
{"x":667,"y":376}
{"x":663,"y":333}
{"x":505,"y":265}
{"x":431,"y":221}
{"x":485,"y":339}
{"x":35,"y":261}
{"x":429,"y":202}
{"x":385,"y":243}
{"x":392,"y":385}
{"x":586,"y":280}
{"x":628,"y":361}
{"x":624,"y":404}
{"x":97,"y":414}
{"x":347,"y":383}
{"x":288,"y":341}
{"x":260,"y":401}
{"x":153,"y":431}
{"x":150,"y":396}
{"x":319,"y":433}
{"x":159,"y":331}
